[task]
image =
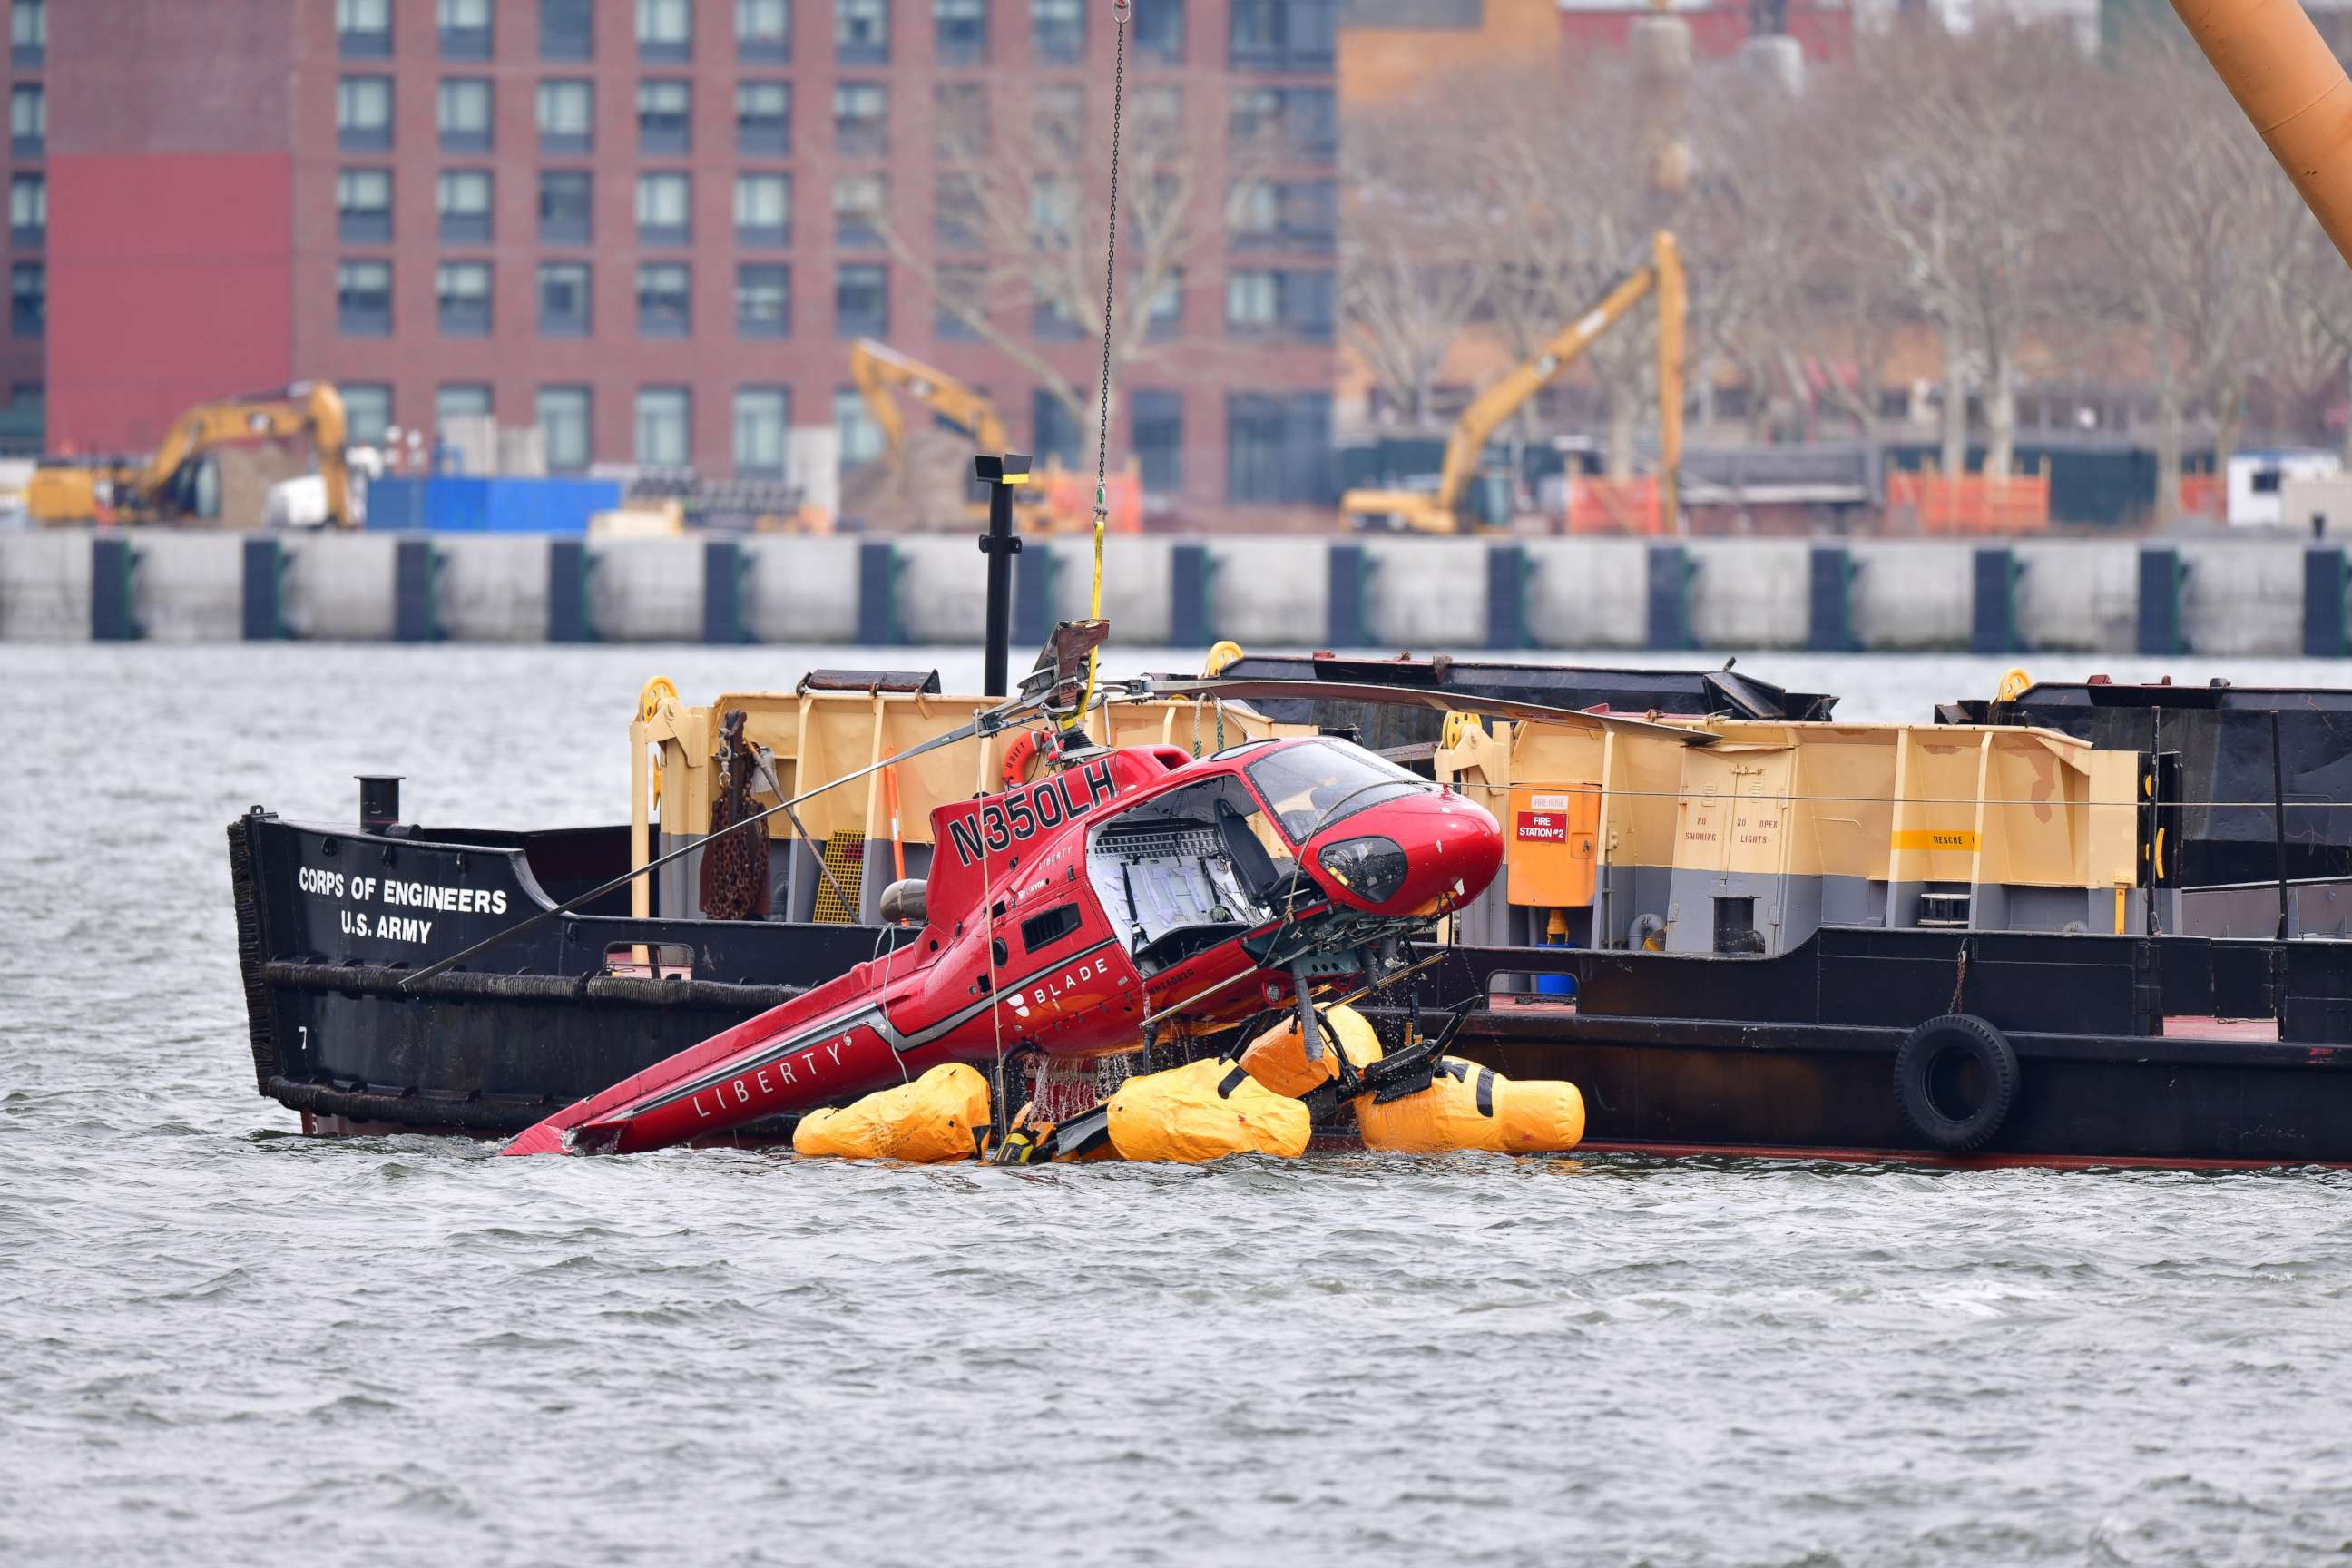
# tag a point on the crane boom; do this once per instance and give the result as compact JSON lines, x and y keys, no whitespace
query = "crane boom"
{"x":1662,"y":274}
{"x":2291,"y":85}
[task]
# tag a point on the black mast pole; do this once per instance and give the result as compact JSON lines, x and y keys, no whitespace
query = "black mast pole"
{"x":1000,"y":474}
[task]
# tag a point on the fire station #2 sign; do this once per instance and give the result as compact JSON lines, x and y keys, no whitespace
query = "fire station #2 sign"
{"x":1545,"y":822}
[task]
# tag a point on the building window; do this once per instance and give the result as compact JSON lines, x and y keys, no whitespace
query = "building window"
{"x":958,"y":220}
{"x":564,"y":426}
{"x":459,"y":400}
{"x":567,"y":116}
{"x":1050,"y":315}
{"x":1052,"y":210}
{"x":28,"y":300}
{"x":664,"y":300}
{"x":1057,"y":30}
{"x":664,"y":117}
{"x":764,"y":31}
{"x":1286,"y":122}
{"x":566,"y":200}
{"x":367,"y":412}
{"x":960,"y":31}
{"x":462,"y":199}
{"x":28,"y":120}
{"x":665,"y":427}
{"x":465,"y":29}
{"x":861,"y":32}
{"x":763,"y":299}
{"x":665,"y":209}
{"x":28,"y":33}
{"x":764,"y":119}
{"x":567,"y":29}
{"x":462,"y":292}
{"x":363,"y":298}
{"x":1157,"y":114}
{"x":762,"y":416}
{"x":362,"y":29}
{"x":1054,"y":430}
{"x":29,"y":211}
{"x":1270,"y":300}
{"x":363,"y":205}
{"x":962,"y":293}
{"x":861,"y":300}
{"x":565,"y":308}
{"x":764,"y":209}
{"x":665,"y":31}
{"x":1157,"y":434}
{"x":1278,"y":449}
{"x":853,"y":423}
{"x":463,"y":110}
{"x":1302,"y":215}
{"x":1164,"y":312}
{"x":1284,"y":34}
{"x":860,"y":203}
{"x":861,"y":119}
{"x":959,"y":119}
{"x":1059,"y":118}
{"x":1157,"y":34}
{"x":363,"y":113}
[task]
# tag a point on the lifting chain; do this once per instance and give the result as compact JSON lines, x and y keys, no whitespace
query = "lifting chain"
{"x":1120,"y":9}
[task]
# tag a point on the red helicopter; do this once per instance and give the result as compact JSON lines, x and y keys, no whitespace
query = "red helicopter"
{"x":1125,"y":890}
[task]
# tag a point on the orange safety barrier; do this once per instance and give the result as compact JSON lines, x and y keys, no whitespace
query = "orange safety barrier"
{"x":1972,"y":504}
{"x":2204,"y":495}
{"x":1615,"y":506}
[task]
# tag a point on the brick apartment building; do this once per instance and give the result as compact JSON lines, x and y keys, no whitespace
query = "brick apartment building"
{"x":651,"y":227}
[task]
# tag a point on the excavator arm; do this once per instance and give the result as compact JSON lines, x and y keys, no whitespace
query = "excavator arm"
{"x":881,"y":372}
{"x":1439,"y":513}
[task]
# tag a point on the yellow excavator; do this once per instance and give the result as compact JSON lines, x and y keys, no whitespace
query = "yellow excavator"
{"x":1055,"y":499}
{"x":1440,"y":511}
{"x":882,"y":373}
{"x":162,"y":489}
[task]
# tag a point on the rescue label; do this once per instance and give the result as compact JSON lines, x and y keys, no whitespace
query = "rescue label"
{"x":1542,"y":827}
{"x":1934,"y":838}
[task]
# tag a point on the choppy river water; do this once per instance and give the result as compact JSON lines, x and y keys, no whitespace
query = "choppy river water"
{"x":222,"y":1342}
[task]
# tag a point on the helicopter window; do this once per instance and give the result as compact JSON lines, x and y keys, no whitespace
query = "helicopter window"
{"x":1045,"y":929}
{"x":1314,"y":786}
{"x":1166,"y":877}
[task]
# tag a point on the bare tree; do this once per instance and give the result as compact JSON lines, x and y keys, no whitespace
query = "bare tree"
{"x":1566,"y":212}
{"x":1022,"y":212}
{"x":2187,"y":255}
{"x":1972,"y":151}
{"x":1412,"y":270}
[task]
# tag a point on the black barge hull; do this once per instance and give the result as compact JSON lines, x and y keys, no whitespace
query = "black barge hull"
{"x":2121,"y":1055}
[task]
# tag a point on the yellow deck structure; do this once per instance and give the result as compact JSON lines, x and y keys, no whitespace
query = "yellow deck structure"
{"x":866,"y":827}
{"x":1752,"y":840}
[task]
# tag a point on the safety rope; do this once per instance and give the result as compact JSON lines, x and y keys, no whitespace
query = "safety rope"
{"x":1120,"y":8}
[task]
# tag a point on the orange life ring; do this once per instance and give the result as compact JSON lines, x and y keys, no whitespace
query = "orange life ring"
{"x":1020,"y":754}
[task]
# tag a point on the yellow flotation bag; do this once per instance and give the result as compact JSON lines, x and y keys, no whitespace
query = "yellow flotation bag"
{"x":942,"y":1115}
{"x":1277,"y":1060}
{"x":1203,"y":1111}
{"x":1470,"y":1107}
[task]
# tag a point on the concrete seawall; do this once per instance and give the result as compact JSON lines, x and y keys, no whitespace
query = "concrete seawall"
{"x":2231,"y":597}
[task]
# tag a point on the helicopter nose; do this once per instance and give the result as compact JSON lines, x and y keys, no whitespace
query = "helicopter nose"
{"x":1420,"y":854}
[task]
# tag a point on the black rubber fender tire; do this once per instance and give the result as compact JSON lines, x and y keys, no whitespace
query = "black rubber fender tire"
{"x":1995,"y":1058}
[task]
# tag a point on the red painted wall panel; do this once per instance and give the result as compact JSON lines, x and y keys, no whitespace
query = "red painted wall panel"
{"x":170,"y":281}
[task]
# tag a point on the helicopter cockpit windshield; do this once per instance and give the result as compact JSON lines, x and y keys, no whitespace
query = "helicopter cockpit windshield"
{"x":1314,"y":786}
{"x":1187,"y":869}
